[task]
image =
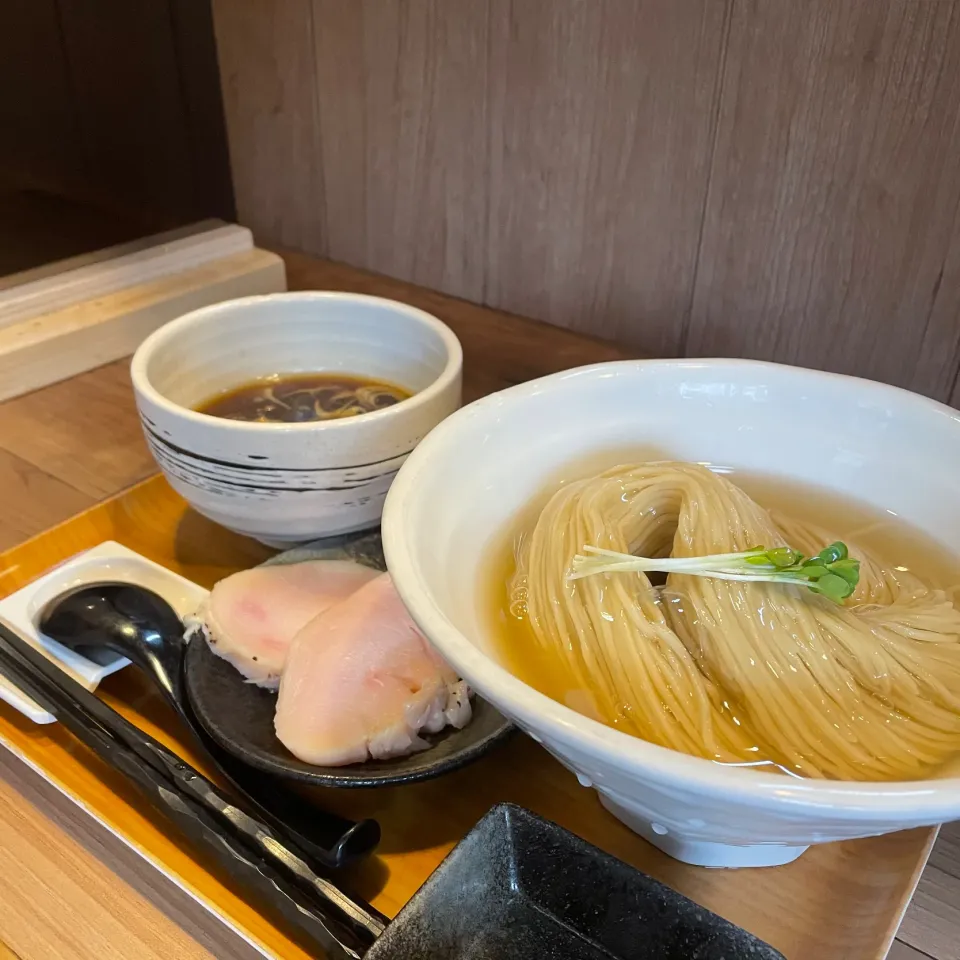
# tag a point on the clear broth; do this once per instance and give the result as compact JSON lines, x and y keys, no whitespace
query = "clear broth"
{"x":882,"y":534}
{"x":303,"y":398}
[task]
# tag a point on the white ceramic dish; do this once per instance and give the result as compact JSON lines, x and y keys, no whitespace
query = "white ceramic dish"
{"x":463,"y":485}
{"x":295,"y":482}
{"x":107,"y":562}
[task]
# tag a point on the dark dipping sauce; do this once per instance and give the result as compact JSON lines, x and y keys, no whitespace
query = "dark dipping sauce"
{"x":303,"y":397}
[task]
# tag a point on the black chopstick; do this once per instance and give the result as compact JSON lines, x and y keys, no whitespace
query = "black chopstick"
{"x":259,"y":856}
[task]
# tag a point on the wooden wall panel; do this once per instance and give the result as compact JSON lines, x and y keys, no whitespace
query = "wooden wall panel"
{"x":601,"y":121}
{"x":38,"y":129}
{"x":544,"y":156}
{"x":199,"y":80}
{"x":113,"y":104}
{"x":945,"y":313}
{"x":405,"y":137}
{"x":946,"y":306}
{"x":766,"y":178}
{"x":268,"y":79}
{"x":129,"y":102}
{"x":834,"y":190}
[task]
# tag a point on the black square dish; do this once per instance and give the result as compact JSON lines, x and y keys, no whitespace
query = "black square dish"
{"x":518,"y":887}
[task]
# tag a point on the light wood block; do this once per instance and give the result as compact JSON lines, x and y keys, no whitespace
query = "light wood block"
{"x":52,"y":347}
{"x":54,"y":286}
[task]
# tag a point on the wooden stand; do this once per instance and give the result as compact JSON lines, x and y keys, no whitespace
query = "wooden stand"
{"x":68,"y":318}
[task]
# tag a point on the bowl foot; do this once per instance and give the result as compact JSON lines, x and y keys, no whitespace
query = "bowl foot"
{"x":281,"y":544}
{"x":296,"y":542}
{"x":703,"y":853}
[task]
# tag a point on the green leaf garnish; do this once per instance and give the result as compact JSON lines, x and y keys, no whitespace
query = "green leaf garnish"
{"x":832,"y":573}
{"x":833,"y":553}
{"x":832,"y":586}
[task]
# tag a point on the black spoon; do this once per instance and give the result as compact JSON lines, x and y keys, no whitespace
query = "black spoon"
{"x":141,"y":626}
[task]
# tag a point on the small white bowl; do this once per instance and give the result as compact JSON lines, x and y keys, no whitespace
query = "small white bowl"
{"x":292,"y":482}
{"x":463,"y":487}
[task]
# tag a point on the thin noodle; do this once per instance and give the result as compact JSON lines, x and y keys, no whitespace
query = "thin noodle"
{"x":739,"y":671}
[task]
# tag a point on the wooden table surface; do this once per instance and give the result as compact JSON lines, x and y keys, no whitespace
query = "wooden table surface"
{"x":68,"y":446}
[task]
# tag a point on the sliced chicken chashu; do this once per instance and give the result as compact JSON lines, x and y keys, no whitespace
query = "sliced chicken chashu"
{"x":251,"y":617}
{"x":361,"y":682}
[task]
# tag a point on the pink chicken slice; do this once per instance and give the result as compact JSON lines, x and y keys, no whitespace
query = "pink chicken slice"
{"x":251,"y":617}
{"x":361,"y":681}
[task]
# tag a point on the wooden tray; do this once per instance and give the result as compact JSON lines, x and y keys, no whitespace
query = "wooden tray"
{"x":842,"y":900}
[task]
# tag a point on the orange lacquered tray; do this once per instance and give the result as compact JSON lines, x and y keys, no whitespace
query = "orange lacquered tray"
{"x":841,"y":900}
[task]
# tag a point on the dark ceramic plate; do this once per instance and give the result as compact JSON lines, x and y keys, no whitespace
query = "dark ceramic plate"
{"x":518,"y":887}
{"x":239,"y":715}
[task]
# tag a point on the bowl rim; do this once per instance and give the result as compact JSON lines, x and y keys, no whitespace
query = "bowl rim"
{"x":169,"y":331}
{"x":861,"y":801}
